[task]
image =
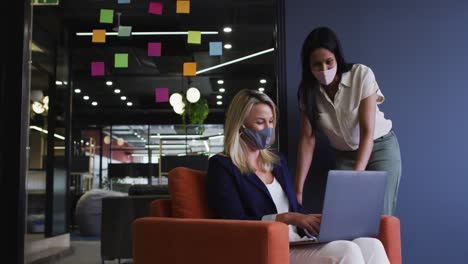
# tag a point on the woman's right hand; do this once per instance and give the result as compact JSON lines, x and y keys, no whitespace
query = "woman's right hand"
{"x":306,"y":221}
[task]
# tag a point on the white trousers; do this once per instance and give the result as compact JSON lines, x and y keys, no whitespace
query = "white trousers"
{"x":360,"y":250}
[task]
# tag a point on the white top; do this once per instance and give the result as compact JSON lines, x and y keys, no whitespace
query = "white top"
{"x":339,"y":119}
{"x":282,"y":206}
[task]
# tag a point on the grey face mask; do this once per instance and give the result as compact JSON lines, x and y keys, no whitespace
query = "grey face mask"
{"x":260,"y":139}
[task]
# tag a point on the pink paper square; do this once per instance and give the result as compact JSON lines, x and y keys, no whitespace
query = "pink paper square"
{"x":154,"y":49}
{"x":155,"y":8}
{"x":161,"y":95}
{"x":97,"y":68}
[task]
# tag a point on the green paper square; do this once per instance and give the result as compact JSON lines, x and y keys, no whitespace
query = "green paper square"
{"x":125,"y":31}
{"x":107,"y":16}
{"x":121,"y":60}
{"x":194,"y":37}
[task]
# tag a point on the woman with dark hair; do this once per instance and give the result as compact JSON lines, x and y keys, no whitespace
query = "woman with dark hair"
{"x":341,"y":100}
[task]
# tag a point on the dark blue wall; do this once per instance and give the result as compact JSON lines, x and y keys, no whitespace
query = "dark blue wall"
{"x":419,"y":54}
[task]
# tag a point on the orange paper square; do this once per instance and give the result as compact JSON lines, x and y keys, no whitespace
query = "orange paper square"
{"x":190,"y":69}
{"x":183,"y":7}
{"x":99,"y":36}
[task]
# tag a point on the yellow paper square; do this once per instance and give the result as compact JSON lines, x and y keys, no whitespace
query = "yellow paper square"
{"x":194,"y":37}
{"x":190,"y":69}
{"x":99,"y":36}
{"x":183,"y":7}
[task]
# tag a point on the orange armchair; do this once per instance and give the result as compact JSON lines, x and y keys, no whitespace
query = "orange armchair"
{"x":181,"y":230}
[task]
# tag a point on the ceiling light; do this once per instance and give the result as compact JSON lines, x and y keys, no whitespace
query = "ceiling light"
{"x":58,"y":82}
{"x":179,"y":108}
{"x":227,"y":46}
{"x":234,"y":61}
{"x":175,"y":99}
{"x":77,"y":91}
{"x":220,"y":81}
{"x":227,"y":29}
{"x":222,"y":90}
{"x":150,"y":33}
{"x":193,"y":95}
{"x":46,"y":132}
{"x":117,"y":91}
{"x":263,"y":81}
{"x":261,"y":89}
{"x":219,"y":103}
{"x":38,"y":108}
{"x":129,"y":103}
{"x":219,"y":97}
{"x":109,"y":83}
{"x":94,"y":103}
{"x":85,"y":97}
{"x":123,"y":98}
{"x":45,"y":100}
{"x":64,"y":82}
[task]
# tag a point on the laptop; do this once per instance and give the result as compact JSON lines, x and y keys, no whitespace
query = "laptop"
{"x":352,"y":206}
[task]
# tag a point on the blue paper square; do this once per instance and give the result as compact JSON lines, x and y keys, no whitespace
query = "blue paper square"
{"x":216,"y":48}
{"x":123,"y":1}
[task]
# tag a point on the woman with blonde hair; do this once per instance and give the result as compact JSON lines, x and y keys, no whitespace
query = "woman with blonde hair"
{"x":248,"y":181}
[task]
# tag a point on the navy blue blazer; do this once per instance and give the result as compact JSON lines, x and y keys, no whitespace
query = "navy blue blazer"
{"x":232,"y":195}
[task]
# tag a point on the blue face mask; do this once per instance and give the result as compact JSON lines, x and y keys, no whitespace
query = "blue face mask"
{"x":259,"y":139}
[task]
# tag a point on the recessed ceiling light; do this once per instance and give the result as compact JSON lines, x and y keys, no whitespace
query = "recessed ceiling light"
{"x":94,"y":103}
{"x":85,"y":97}
{"x":219,"y":103}
{"x":123,"y":98}
{"x":227,"y":46}
{"x":109,"y":83}
{"x":219,"y":97}
{"x":129,"y":103}
{"x":117,"y":91}
{"x":261,"y":89}
{"x":77,"y":91}
{"x":58,"y":82}
{"x":220,"y":81}
{"x":227,"y":29}
{"x":64,"y":82}
{"x":262,"y":81}
{"x":222,"y":90}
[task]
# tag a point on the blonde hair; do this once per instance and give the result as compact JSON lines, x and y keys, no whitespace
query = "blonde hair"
{"x":234,"y":146}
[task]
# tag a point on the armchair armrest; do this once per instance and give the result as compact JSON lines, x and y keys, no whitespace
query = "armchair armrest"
{"x":389,"y":235}
{"x":182,"y":241}
{"x":161,"y":208}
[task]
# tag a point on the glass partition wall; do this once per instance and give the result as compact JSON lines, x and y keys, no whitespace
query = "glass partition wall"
{"x":116,"y":157}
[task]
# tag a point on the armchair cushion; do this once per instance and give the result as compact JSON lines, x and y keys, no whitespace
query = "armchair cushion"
{"x":197,"y":241}
{"x":184,"y":185}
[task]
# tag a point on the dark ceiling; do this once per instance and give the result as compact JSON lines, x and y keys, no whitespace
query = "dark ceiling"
{"x":253,"y":30}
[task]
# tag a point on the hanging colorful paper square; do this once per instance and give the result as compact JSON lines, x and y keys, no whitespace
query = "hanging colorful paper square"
{"x":190,"y":69}
{"x":107,"y":16}
{"x":161,"y":95}
{"x":123,"y":1}
{"x":155,"y":8}
{"x":216,"y":48}
{"x":125,"y":31}
{"x":154,"y":49}
{"x":183,"y":7}
{"x":194,"y":37}
{"x":99,"y":36}
{"x":97,"y":68}
{"x":121,"y":60}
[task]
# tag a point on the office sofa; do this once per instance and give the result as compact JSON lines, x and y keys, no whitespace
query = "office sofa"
{"x":182,"y":230}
